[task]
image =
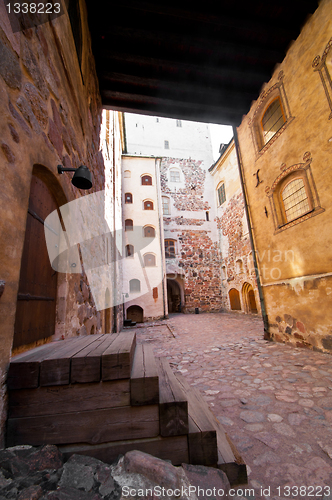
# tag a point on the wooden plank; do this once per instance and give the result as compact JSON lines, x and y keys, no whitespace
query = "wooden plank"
{"x":86,"y":364}
{"x":173,"y":448}
{"x":55,"y":368}
{"x":202,"y":444}
{"x":93,"y":427}
{"x":116,"y":361}
{"x":68,"y":398}
{"x":229,"y":459}
{"x":144,"y":382}
{"x":24,"y":369}
{"x":173,"y":405}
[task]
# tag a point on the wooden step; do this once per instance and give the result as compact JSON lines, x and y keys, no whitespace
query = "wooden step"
{"x":144,"y":382}
{"x":76,"y":360}
{"x":173,"y":405}
{"x":212,"y":446}
{"x":173,"y":448}
{"x":93,"y":426}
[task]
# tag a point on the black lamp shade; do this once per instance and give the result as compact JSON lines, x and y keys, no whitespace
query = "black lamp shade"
{"x":82,"y":178}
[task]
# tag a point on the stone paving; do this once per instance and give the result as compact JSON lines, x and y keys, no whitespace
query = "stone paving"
{"x":274,"y":400}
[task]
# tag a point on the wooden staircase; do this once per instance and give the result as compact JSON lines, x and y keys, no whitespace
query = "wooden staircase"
{"x":103,"y":395}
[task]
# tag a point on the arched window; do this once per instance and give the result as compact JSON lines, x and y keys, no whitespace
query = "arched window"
{"x":295,"y":199}
{"x":166,"y":205}
{"x":146,"y":180}
{"x":221,"y":194}
{"x":149,"y":232}
{"x":127,"y":174}
{"x":129,"y":225}
{"x":134,"y":286}
{"x":129,"y":250}
{"x":148,"y":205}
{"x":272,"y":120}
{"x":128,"y":198}
{"x":149,"y":260}
{"x":170,"y":252}
{"x":174,"y":175}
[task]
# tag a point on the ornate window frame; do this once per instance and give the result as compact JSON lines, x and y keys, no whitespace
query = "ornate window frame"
{"x":319,"y":64}
{"x":298,"y":170}
{"x":277,"y":91}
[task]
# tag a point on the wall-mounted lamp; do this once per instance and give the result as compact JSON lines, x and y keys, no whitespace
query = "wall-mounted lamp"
{"x":82,"y":177}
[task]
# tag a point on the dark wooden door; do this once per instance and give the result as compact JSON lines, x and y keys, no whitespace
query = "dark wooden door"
{"x":36,"y":300}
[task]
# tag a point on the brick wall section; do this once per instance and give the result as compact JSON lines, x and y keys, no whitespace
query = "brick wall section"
{"x":198,"y":255}
{"x":189,"y":197}
{"x":200,"y":261}
{"x":50,"y":115}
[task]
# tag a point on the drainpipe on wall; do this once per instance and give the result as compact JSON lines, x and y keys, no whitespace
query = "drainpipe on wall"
{"x":246,"y":207}
{"x":161,"y":231}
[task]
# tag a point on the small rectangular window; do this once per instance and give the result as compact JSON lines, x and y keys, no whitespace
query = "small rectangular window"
{"x":178,"y":123}
{"x":166,"y":144}
{"x":207,"y":216}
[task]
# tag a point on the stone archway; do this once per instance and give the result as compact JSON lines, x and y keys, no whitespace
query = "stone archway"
{"x":173,"y":296}
{"x":249,"y":300}
{"x":234,"y":298}
{"x":135,"y":313}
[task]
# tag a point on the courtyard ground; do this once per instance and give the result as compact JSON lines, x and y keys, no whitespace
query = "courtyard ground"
{"x":274,"y":400}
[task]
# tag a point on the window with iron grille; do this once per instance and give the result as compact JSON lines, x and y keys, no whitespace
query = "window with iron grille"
{"x":221,"y":194}
{"x":273,"y":119}
{"x":295,"y":199}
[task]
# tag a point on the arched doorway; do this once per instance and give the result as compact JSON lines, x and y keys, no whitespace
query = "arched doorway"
{"x":135,"y":313}
{"x":249,"y":300}
{"x":234,"y":298}
{"x":36,"y":299}
{"x":173,"y":296}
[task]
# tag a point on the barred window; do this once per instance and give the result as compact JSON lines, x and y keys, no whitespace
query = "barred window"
{"x":221,"y":194}
{"x":273,"y":119}
{"x":295,"y":199}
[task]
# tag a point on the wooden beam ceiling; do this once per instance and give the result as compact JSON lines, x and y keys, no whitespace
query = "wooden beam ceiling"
{"x":203,"y":63}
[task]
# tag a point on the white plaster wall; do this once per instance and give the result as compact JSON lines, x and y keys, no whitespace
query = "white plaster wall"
{"x":133,"y":268}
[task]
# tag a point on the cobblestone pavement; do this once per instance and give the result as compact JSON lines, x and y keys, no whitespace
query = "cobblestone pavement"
{"x":274,"y":400}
